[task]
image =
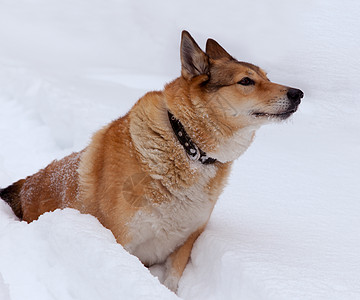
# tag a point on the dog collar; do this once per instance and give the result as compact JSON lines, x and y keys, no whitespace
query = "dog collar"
{"x":194,"y":152}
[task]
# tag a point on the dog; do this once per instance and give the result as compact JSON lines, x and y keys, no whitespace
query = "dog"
{"x":154,"y":175}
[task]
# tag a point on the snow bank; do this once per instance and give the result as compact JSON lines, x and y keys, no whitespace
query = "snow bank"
{"x":66,"y":255}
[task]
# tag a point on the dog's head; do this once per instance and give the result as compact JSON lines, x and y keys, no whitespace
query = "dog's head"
{"x":238,"y":94}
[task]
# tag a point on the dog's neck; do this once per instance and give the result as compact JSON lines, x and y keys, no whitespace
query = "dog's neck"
{"x":193,"y":152}
{"x":230,"y":148}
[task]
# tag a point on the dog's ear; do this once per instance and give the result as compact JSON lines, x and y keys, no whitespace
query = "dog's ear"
{"x":215,"y":51}
{"x":194,"y":61}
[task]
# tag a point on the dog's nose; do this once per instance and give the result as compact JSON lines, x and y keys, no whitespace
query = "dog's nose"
{"x":295,"y":95}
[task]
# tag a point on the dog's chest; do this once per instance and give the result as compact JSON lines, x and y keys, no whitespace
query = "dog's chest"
{"x":157,"y":231}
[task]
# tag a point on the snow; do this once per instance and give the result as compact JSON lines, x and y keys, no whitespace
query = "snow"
{"x":71,"y":256}
{"x":287,"y":224}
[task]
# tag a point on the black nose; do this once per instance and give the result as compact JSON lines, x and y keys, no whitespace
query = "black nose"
{"x":295,"y":95}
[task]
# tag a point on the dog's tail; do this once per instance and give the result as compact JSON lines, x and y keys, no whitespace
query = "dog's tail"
{"x":11,"y":195}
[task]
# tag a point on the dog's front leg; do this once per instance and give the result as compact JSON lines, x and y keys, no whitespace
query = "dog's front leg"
{"x":176,"y":262}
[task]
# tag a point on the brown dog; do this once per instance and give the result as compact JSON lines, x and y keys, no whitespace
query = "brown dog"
{"x":153,"y":176}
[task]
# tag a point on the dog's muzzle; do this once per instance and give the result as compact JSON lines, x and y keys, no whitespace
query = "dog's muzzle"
{"x":294,"y":99}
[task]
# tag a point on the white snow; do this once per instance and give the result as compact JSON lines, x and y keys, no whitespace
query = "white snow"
{"x":65,"y":255}
{"x":288,"y":224}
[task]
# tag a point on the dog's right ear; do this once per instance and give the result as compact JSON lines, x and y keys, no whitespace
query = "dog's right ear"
{"x":215,"y":51}
{"x":194,"y":61}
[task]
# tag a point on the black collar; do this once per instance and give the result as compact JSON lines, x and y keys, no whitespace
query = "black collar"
{"x":191,"y":149}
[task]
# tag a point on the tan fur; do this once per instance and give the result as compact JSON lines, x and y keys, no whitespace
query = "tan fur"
{"x":136,"y":177}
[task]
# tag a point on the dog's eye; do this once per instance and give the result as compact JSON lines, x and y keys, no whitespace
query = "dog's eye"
{"x":246,"y":81}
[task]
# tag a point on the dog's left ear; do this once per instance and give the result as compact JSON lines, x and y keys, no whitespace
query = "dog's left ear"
{"x":194,"y":61}
{"x":215,"y":51}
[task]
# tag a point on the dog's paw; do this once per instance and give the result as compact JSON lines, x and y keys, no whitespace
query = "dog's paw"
{"x":171,"y":282}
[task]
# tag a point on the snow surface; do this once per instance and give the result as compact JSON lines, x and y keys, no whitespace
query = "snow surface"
{"x":287,"y":225}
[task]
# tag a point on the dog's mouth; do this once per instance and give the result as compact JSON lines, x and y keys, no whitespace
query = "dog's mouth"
{"x":282,"y":115}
